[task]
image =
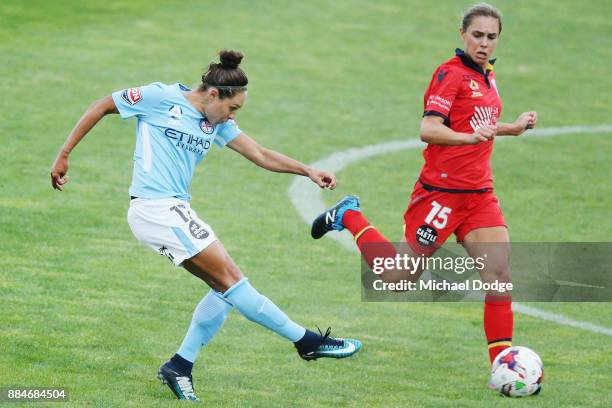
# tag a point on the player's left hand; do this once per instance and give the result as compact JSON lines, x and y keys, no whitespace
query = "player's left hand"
{"x":322,"y":178}
{"x":526,"y":120}
{"x":58,"y":172}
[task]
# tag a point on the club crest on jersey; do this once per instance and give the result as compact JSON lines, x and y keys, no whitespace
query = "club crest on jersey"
{"x":475,"y":89}
{"x":132,"y":96}
{"x":175,"y":112}
{"x":206,"y":126}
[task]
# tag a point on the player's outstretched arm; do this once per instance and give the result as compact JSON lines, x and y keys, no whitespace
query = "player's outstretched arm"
{"x":526,"y":120}
{"x":278,"y":162}
{"x":96,"y":111}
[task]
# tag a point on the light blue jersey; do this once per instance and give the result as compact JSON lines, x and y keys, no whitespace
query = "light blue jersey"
{"x":172,"y":137}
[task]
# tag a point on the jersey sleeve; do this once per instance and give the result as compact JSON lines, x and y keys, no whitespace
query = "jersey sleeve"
{"x":441,"y":93}
{"x":227,"y":132}
{"x":139,"y":101}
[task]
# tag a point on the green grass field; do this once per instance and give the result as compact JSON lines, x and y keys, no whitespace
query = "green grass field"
{"x":84,"y":306}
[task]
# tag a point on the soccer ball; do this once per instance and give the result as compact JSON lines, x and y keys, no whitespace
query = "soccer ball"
{"x":517,"y":372}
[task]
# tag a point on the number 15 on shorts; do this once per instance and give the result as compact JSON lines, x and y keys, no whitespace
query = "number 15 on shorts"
{"x":438,"y":216}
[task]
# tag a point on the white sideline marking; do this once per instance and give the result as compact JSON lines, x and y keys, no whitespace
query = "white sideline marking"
{"x":307,"y":198}
{"x":557,"y":318}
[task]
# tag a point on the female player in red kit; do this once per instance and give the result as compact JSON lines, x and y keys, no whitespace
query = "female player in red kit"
{"x":454,"y":193}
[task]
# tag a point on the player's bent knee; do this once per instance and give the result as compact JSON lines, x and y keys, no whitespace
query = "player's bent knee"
{"x":230,"y":275}
{"x":235,"y":273}
{"x":500,"y":272}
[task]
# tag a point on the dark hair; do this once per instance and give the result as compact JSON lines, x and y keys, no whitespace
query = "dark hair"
{"x":480,"y":10}
{"x":226,"y":76}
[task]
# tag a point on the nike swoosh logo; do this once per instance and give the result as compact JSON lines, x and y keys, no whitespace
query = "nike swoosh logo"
{"x":351,"y":348}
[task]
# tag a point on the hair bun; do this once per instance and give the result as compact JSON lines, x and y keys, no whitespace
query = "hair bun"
{"x":230,"y":59}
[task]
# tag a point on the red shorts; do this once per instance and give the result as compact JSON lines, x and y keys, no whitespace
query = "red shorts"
{"x":433,"y":215}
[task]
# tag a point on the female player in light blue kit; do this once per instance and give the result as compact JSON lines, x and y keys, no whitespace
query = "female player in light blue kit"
{"x":176,"y":128}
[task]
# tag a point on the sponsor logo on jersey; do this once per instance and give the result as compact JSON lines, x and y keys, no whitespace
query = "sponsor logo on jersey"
{"x":483,"y":116}
{"x":175,"y":112}
{"x":206,"y":126}
{"x":132,"y":96}
{"x":438,"y":101}
{"x":188,"y":142}
{"x":426,"y":235}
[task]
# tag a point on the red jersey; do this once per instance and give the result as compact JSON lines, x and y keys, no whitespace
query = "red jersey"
{"x":466,"y":98}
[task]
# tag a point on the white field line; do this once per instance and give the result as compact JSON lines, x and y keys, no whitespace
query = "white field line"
{"x":560,"y":319}
{"x":307,"y":198}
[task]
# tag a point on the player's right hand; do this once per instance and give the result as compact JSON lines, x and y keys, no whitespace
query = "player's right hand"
{"x":58,"y":172}
{"x":484,"y":134}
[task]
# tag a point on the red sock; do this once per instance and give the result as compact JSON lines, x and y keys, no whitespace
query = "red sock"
{"x":371,"y":243}
{"x":498,"y":323}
